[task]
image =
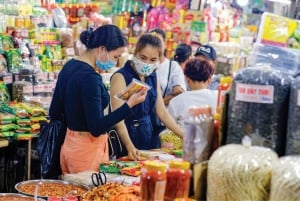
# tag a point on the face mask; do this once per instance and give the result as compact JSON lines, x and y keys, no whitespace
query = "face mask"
{"x":105,"y":65}
{"x":144,"y":68}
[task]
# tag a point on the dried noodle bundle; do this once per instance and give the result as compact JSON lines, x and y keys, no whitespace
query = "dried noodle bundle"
{"x":237,"y":172}
{"x":286,"y":179}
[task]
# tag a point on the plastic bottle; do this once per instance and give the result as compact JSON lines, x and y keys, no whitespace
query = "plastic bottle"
{"x":153,"y":181}
{"x":178,"y":180}
{"x":224,"y":86}
{"x":216,"y":137}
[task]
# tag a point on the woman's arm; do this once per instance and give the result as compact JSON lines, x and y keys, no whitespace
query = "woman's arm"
{"x":164,"y":116}
{"x":176,"y":84}
{"x":118,"y":84}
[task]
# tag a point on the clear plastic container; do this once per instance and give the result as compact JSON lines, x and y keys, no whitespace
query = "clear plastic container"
{"x":153,"y":181}
{"x":197,"y":140}
{"x":178,"y":180}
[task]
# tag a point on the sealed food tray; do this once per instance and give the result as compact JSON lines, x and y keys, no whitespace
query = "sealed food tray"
{"x":47,"y":188}
{"x":16,"y":197}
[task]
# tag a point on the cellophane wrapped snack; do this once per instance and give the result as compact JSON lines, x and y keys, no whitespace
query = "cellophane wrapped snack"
{"x":169,"y":140}
{"x":285,"y":183}
{"x":258,"y":107}
{"x":134,"y":86}
{"x":238,"y":172}
{"x":293,"y":132}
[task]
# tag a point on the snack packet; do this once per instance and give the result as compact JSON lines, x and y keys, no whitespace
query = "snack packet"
{"x":134,"y":86}
{"x":170,"y":140}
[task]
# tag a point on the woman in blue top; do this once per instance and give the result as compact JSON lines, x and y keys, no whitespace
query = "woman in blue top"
{"x":136,"y":130}
{"x":80,"y":97}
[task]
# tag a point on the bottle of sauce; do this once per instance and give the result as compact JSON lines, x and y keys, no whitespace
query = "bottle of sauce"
{"x":225,"y":84}
{"x":153,"y":181}
{"x":178,"y":180}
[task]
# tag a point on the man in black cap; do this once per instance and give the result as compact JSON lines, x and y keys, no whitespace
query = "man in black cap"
{"x":209,"y":54}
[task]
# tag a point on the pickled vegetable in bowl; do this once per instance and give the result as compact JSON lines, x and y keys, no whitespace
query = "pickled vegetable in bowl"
{"x":47,"y":188}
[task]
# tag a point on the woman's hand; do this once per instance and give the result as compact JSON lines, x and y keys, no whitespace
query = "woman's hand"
{"x":177,"y":90}
{"x":137,"y":98}
{"x":133,"y":153}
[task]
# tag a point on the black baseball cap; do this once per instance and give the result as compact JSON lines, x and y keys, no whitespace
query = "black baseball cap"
{"x":207,"y":51}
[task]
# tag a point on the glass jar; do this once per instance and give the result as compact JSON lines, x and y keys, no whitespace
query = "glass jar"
{"x":153,"y":181}
{"x":178,"y":180}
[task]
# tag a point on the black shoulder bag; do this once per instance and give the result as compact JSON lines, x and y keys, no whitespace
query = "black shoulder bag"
{"x":115,"y":145}
{"x":51,"y":138}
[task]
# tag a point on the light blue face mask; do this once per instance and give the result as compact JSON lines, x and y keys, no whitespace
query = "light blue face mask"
{"x":105,"y":65}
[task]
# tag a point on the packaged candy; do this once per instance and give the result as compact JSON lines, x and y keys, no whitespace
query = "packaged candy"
{"x":134,"y":87}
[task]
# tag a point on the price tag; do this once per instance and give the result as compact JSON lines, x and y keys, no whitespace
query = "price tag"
{"x":39,"y":88}
{"x":41,"y":76}
{"x":48,"y":87}
{"x":51,"y":76}
{"x":255,"y":93}
{"x":27,"y":90}
{"x":7,"y":79}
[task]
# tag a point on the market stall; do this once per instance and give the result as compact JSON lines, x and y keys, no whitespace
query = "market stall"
{"x":37,"y":38}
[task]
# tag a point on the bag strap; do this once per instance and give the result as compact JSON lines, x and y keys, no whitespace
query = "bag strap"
{"x":169,"y":74}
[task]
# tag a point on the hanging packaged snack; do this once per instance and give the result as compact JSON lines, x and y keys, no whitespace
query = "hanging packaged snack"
{"x":293,"y":131}
{"x":134,"y":87}
{"x":240,"y":172}
{"x":14,"y":60}
{"x":258,"y":107}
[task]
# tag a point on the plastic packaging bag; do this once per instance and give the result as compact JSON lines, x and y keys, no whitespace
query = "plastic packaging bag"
{"x":285,"y":183}
{"x":134,"y":86}
{"x":238,"y":172}
{"x":258,"y":107}
{"x":279,"y":58}
{"x":197,"y":140}
{"x":293,"y":132}
{"x":169,"y":140}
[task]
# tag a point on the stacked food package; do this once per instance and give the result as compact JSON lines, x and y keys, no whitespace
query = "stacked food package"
{"x":21,"y":120}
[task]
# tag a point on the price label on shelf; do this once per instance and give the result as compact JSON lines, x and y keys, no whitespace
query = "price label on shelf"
{"x":7,"y":79}
{"x":255,"y":93}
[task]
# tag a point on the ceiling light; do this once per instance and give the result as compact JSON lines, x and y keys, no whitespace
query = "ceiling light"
{"x":242,"y":3}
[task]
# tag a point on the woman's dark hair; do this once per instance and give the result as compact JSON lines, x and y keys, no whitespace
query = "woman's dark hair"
{"x":182,"y":52}
{"x":160,"y":32}
{"x":198,"y":70}
{"x":109,"y":36}
{"x":148,"y":39}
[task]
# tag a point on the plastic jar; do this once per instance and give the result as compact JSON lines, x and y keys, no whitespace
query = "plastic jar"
{"x":178,"y":180}
{"x":153,"y":181}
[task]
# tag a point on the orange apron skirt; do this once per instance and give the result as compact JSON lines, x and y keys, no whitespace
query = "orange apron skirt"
{"x":83,"y":152}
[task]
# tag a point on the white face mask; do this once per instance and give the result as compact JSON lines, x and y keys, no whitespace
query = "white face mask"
{"x":144,"y":68}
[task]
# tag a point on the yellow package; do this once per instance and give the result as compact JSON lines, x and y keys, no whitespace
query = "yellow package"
{"x":170,"y":140}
